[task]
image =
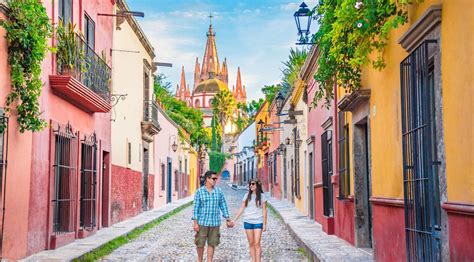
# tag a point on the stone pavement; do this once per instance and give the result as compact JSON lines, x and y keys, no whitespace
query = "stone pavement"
{"x":173,"y":239}
{"x":103,"y":236}
{"x":319,"y":245}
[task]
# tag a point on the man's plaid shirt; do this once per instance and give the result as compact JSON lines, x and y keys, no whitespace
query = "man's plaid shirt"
{"x":207,"y":206}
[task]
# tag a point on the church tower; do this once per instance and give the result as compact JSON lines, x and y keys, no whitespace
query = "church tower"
{"x":209,"y":78}
{"x":239,"y":93}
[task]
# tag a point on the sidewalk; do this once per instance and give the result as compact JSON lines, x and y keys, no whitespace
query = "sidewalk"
{"x":318,"y":245}
{"x":82,"y":246}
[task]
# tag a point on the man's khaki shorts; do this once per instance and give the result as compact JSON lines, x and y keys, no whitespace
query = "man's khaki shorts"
{"x":211,"y":234}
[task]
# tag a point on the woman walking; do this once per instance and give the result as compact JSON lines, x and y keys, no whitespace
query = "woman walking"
{"x":255,"y":218}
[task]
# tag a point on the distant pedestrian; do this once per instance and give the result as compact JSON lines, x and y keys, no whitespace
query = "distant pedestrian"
{"x":255,"y":217}
{"x":209,"y":202}
{"x":202,"y":180}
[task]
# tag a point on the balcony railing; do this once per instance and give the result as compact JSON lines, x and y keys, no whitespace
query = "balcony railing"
{"x":89,"y":69}
{"x":150,"y":112}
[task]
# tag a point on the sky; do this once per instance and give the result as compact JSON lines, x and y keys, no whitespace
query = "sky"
{"x":255,"y":35}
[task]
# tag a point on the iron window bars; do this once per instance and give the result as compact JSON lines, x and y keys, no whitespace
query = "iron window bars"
{"x":90,"y":69}
{"x":64,"y":169}
{"x":3,"y":171}
{"x":326,"y":164}
{"x":296,"y":185}
{"x":420,"y":163}
{"x":344,"y":160}
{"x":88,"y":182}
{"x":150,"y":112}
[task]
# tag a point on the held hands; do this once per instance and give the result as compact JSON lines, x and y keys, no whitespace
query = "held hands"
{"x":196,"y":227}
{"x":230,"y":223}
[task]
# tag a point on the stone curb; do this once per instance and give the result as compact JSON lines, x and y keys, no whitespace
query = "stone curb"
{"x":80,"y":247}
{"x":297,"y":221}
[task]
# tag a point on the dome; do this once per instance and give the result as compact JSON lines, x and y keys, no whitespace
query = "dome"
{"x":210,"y":86}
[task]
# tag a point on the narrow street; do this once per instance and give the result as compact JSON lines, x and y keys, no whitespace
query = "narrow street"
{"x":173,"y":239}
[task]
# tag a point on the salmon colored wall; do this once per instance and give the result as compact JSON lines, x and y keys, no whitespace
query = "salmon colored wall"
{"x":29,"y":165}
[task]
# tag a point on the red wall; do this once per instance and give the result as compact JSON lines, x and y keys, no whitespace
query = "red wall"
{"x":151,"y":191}
{"x":461,"y":232}
{"x":388,"y":225}
{"x":126,"y":193}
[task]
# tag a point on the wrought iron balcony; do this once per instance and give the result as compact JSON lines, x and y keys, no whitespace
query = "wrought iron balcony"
{"x":90,"y":69}
{"x":150,"y":125}
{"x":85,"y":80}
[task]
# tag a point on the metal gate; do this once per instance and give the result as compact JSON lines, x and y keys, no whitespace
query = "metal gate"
{"x":3,"y":174}
{"x":88,"y":182}
{"x":420,"y":176}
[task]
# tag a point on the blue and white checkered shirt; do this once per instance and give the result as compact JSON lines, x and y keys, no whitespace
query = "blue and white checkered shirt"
{"x":207,"y":206}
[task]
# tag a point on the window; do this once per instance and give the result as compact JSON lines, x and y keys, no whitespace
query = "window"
{"x":65,"y":11}
{"x":64,"y":167}
{"x":344,"y":175}
{"x":129,"y":153}
{"x":275,"y":180}
{"x":163,"y":177}
{"x":186,"y":166}
{"x":296,"y":186}
{"x":326,"y":164}
{"x":421,"y":161}
{"x":89,"y":31}
{"x":88,"y":182}
{"x":176,"y":180}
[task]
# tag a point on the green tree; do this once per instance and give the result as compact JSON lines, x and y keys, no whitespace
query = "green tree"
{"x":270,"y":92}
{"x":352,"y":34}
{"x":291,"y":69}
{"x":223,"y":107}
{"x":28,"y":30}
{"x":190,"y":119}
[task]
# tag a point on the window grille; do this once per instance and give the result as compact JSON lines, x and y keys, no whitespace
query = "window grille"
{"x":420,"y":162}
{"x":326,"y":164}
{"x":64,"y":169}
{"x":3,"y":167}
{"x":163,"y":177}
{"x":88,"y":182}
{"x":344,"y":161}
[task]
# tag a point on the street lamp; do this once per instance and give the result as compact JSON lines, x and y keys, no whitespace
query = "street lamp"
{"x":279,"y":101}
{"x":303,"y":23}
{"x":261,"y":123}
{"x":174,"y":146}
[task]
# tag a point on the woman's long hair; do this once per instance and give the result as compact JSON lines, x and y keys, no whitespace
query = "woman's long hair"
{"x":258,"y":193}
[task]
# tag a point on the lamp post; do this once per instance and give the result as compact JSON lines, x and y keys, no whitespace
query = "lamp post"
{"x":303,"y":24}
{"x":279,"y":101}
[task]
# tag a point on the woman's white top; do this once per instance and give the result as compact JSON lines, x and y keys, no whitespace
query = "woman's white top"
{"x":252,"y":213}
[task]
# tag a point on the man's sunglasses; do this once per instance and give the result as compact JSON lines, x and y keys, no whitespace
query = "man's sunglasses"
{"x":213,"y":178}
{"x":252,"y":184}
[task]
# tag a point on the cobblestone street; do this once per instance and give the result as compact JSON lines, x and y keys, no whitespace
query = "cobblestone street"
{"x":173,"y":239}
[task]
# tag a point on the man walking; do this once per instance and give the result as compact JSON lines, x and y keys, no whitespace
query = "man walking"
{"x":209,"y":202}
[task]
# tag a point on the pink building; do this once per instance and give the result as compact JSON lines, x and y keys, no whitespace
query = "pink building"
{"x":275,"y":158}
{"x":57,"y":185}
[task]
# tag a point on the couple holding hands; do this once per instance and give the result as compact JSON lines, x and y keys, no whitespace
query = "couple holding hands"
{"x":209,"y":202}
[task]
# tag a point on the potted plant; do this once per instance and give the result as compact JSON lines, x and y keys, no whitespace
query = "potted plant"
{"x":68,"y":51}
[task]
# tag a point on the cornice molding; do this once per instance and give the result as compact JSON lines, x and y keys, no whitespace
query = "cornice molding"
{"x":354,"y":100}
{"x":421,"y":28}
{"x":121,"y":5}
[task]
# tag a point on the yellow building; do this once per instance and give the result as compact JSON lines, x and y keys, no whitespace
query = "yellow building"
{"x":193,"y":171}
{"x":262,"y":144}
{"x":410,"y":139}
